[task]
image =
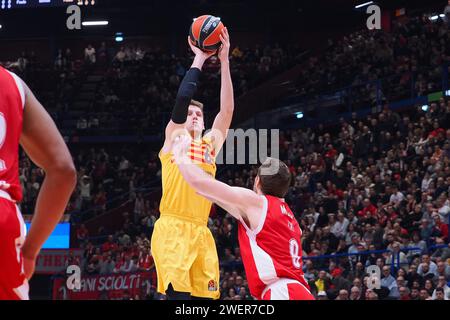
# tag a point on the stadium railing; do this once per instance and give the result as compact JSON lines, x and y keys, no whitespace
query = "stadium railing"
{"x":396,"y":264}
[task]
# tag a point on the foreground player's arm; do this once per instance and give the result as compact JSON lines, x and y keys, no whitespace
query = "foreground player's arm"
{"x":186,"y":91}
{"x":231,"y":209}
{"x":45,"y":146}
{"x":223,"y":119}
{"x":241,"y":203}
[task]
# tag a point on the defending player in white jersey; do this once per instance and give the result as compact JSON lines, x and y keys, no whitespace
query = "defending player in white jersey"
{"x":269,"y":234}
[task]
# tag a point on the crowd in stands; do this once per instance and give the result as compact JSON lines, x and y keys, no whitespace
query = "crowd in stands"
{"x":138,"y":83}
{"x":375,"y":184}
{"x":144,"y":82}
{"x":107,"y":177}
{"x":412,"y":54}
{"x":378,"y":184}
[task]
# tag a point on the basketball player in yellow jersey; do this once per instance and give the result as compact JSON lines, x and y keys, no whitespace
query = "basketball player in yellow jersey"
{"x":183,"y":247}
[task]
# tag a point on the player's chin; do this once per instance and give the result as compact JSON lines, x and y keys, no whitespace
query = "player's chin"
{"x":195,"y":128}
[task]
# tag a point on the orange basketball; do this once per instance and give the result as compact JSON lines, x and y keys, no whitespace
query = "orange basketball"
{"x":204,"y":32}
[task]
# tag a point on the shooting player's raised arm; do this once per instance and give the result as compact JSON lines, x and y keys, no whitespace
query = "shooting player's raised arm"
{"x":223,"y":119}
{"x":186,"y":91}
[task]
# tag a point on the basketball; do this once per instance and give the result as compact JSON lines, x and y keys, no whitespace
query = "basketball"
{"x":205,"y":31}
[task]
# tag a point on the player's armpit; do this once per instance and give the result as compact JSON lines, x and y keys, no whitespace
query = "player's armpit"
{"x":220,"y":129}
{"x":217,"y":138}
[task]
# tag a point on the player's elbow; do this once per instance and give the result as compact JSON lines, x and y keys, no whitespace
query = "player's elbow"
{"x":199,"y":183}
{"x":195,"y":182}
{"x":65,"y":170}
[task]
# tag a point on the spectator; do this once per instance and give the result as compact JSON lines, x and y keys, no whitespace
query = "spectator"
{"x":109,"y":245}
{"x":424,"y":295}
{"x":72,"y":260}
{"x":441,"y":285}
{"x":371,"y":295}
{"x":323,"y":282}
{"x":82,"y":235}
{"x":396,"y":196}
{"x":425,"y":272}
{"x":107,"y":265}
{"x":397,"y":257}
{"x":339,"y":283}
{"x":343,"y":295}
{"x":89,"y":55}
{"x":440,"y":229}
{"x":440,"y":294}
{"x":310,"y":273}
{"x":416,"y":243}
{"x":388,"y":282}
{"x":85,"y":185}
{"x":404,"y":293}
{"x":339,"y":229}
{"x":429,"y":286}
{"x":355,"y":293}
{"x":426,"y":230}
{"x":368,"y":208}
{"x":432,"y":267}
{"x":443,"y":269}
{"x":322,"y":295}
{"x":139,"y":206}
{"x":443,"y":209}
{"x":120,"y":55}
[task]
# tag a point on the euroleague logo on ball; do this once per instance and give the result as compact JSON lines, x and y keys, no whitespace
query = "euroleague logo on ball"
{"x":212,"y":22}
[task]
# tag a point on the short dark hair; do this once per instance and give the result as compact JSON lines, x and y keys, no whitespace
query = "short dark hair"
{"x":276,"y":184}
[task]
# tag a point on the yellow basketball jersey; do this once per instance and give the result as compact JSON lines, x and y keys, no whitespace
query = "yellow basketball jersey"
{"x":178,"y":198}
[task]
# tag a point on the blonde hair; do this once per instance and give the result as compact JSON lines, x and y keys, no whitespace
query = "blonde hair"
{"x":197,"y":104}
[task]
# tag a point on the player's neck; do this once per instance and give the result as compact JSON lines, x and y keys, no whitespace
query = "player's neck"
{"x":196,"y":135}
{"x":265,"y":195}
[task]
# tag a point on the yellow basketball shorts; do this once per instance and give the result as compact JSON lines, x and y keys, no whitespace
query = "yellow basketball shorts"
{"x":185,"y":256}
